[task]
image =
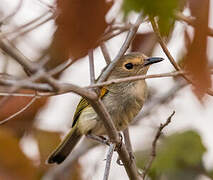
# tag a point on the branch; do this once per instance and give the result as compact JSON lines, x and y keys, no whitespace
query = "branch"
{"x":180,"y":16}
{"x":130,"y":166}
{"x":67,"y":87}
{"x":123,"y":49}
{"x":15,"y":11}
{"x":128,"y":142}
{"x":5,"y":34}
{"x":20,"y":111}
{"x":168,"y":54}
{"x":108,"y":161}
{"x":135,"y":78}
{"x":154,"y":144}
{"x":91,"y":67}
{"x":105,"y":53}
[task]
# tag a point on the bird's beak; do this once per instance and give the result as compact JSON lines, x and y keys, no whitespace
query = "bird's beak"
{"x":152,"y":60}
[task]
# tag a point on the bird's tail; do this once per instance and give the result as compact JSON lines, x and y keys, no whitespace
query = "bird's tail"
{"x":65,"y":147}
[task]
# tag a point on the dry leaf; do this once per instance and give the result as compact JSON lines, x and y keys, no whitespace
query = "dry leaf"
{"x":144,"y":42}
{"x":80,"y":24}
{"x":196,"y":62}
{"x":14,"y":164}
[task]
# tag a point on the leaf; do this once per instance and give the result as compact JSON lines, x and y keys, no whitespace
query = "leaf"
{"x":144,"y":42}
{"x":80,"y":24}
{"x":24,"y":121}
{"x":47,"y":142}
{"x":196,"y":62}
{"x":14,"y":164}
{"x":178,"y":157}
{"x":162,"y":9}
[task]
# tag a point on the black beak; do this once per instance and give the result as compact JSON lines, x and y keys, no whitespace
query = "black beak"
{"x":152,"y":60}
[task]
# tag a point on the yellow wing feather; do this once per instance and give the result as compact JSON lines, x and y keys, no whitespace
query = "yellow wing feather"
{"x":84,"y":103}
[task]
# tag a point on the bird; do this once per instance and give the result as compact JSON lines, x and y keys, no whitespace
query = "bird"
{"x":123,"y":102}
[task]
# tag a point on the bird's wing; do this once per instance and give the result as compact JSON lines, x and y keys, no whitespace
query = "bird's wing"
{"x":84,"y":103}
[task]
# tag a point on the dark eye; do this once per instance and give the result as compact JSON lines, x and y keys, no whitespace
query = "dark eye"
{"x":129,"y":65}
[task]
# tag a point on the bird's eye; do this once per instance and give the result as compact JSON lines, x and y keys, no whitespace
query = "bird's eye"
{"x":129,"y":65}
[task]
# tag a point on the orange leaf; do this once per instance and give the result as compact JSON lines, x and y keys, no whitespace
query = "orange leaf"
{"x":196,"y":58}
{"x":80,"y":24}
{"x":47,"y":142}
{"x":144,"y":42}
{"x":14,"y":164}
{"x":25,"y":120}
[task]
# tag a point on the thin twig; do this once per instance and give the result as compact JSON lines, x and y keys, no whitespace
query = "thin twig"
{"x":33,"y":26}
{"x":128,"y":142}
{"x":191,"y":21}
{"x":17,"y":94}
{"x":135,"y":78}
{"x":123,"y":49}
{"x":105,"y":53}
{"x":114,"y":137}
{"x":108,"y":161}
{"x":5,"y":34}
{"x":19,"y":112}
{"x":154,"y":145}
{"x":15,"y":11}
{"x":168,"y":54}
{"x":91,"y":67}
{"x":67,"y":87}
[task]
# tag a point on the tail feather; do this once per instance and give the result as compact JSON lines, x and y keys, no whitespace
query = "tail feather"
{"x":65,"y":147}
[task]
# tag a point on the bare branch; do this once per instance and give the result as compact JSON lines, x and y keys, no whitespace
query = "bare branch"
{"x":108,"y":161}
{"x":20,"y":111}
{"x":168,"y":54}
{"x":105,"y":53}
{"x":33,"y":26}
{"x":17,"y":94}
{"x":180,"y":16}
{"x":128,"y":142}
{"x":67,"y":87}
{"x":91,"y":67}
{"x":123,"y":49}
{"x":5,"y":34}
{"x":135,"y":78}
{"x":14,"y":12}
{"x":154,"y":144}
{"x":130,"y":166}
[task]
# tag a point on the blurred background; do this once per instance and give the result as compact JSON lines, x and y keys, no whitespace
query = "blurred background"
{"x":52,"y":32}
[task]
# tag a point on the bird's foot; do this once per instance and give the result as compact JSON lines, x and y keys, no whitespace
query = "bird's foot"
{"x":99,"y":139}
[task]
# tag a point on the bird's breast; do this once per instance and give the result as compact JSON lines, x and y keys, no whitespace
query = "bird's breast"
{"x":124,"y":105}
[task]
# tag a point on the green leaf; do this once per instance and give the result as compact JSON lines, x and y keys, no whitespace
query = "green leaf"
{"x":178,"y":157}
{"x":163,"y":9}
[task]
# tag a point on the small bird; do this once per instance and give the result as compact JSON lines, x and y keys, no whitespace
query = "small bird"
{"x":123,"y":101}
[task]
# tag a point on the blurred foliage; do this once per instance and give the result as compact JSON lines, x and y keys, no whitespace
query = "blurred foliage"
{"x":196,"y":60}
{"x":24,"y":121}
{"x":14,"y":163}
{"x":80,"y":24}
{"x":179,"y":156}
{"x":163,"y":9}
{"x":144,"y":42}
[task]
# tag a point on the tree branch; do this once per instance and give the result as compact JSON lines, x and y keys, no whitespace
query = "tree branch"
{"x":189,"y":20}
{"x":20,"y":111}
{"x":168,"y":54}
{"x":105,"y":53}
{"x":154,"y":144}
{"x":123,"y":49}
{"x":91,"y":67}
{"x":108,"y":161}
